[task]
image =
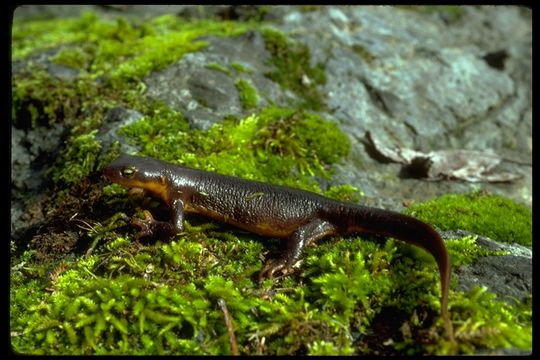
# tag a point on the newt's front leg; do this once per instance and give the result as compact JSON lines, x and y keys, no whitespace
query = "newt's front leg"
{"x":152,"y":227}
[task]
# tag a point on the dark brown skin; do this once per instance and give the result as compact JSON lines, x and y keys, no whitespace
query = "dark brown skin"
{"x":300,"y":217}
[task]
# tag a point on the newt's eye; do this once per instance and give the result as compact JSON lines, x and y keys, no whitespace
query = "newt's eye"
{"x":128,"y":172}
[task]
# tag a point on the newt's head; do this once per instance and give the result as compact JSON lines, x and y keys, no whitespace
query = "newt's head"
{"x":139,"y":173}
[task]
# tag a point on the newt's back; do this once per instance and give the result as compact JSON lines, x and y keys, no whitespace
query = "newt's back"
{"x":265,"y":209}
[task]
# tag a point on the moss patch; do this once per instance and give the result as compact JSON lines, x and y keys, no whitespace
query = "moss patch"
{"x":120,"y":50}
{"x":218,"y":67}
{"x":293,"y":69}
{"x":40,"y":99}
{"x":80,"y":158}
{"x":493,"y":216}
{"x":162,"y":299}
{"x":241,"y":68}
{"x":113,"y":56}
{"x":248,"y":94}
{"x":131,"y":298}
{"x":487,"y":323}
{"x":283,"y":146}
{"x":466,"y":251}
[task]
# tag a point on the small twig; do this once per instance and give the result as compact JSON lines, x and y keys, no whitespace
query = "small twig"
{"x":88,"y":226}
{"x":230,"y":329}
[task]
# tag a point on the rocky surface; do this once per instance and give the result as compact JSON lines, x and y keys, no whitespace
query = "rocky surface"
{"x":115,"y":119}
{"x":418,"y":82}
{"x":410,"y":79}
{"x":426,"y":81}
{"x":205,"y":95}
{"x":509,"y":276}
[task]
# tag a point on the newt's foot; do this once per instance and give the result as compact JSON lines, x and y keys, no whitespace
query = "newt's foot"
{"x":145,"y":226}
{"x":275,"y":265}
{"x":151,"y":227}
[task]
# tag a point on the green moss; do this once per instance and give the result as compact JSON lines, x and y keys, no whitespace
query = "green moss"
{"x":218,"y":67}
{"x":41,"y":99}
{"x":34,"y":36}
{"x":310,"y":8}
{"x":78,"y":160}
{"x":465,"y":251}
{"x":118,"y":52}
{"x":241,"y":68}
{"x":493,"y":216}
{"x":327,"y":348}
{"x":293,"y":69}
{"x":131,"y":298}
{"x":248,"y":94}
{"x":160,"y":299}
{"x":73,"y":57}
{"x":121,"y":50}
{"x":278,"y":145}
{"x":487,"y":323}
{"x":345,"y":192}
{"x":350,"y":284}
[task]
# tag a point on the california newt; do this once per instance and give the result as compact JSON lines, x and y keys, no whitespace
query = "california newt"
{"x":300,"y":217}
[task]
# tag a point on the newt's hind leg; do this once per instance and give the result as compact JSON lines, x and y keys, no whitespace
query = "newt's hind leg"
{"x":304,"y":235}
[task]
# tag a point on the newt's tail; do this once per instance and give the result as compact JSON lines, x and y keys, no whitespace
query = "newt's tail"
{"x":413,"y":231}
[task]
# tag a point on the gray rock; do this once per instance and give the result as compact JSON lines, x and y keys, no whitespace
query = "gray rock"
{"x":419,"y":81}
{"x":205,"y":95}
{"x":508,"y":276}
{"x":514,"y":249}
{"x":31,"y":150}
{"x":43,"y":61}
{"x":201,"y":94}
{"x":62,"y":72}
{"x":113,"y":120}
